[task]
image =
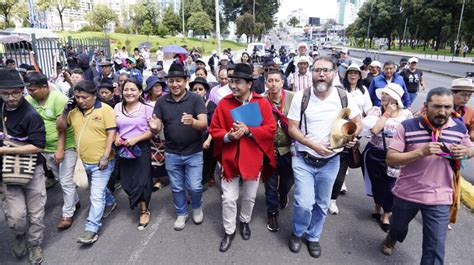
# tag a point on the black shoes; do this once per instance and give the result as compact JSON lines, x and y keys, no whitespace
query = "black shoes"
{"x":295,"y":243}
{"x":314,"y":249}
{"x":272,"y":223}
{"x":245,"y":231}
{"x":226,"y":242}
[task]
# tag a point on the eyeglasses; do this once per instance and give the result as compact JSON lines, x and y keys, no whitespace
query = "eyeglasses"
{"x":324,"y":70}
{"x":14,"y":94}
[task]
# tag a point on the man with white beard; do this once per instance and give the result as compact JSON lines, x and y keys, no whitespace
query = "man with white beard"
{"x":315,"y":165}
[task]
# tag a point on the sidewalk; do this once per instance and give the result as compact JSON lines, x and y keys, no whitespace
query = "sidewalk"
{"x":433,"y":57}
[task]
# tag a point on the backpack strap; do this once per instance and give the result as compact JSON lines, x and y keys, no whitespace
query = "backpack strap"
{"x":342,"y":96}
{"x":304,"y":106}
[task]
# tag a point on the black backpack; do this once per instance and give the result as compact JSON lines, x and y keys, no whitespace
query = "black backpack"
{"x":305,"y":101}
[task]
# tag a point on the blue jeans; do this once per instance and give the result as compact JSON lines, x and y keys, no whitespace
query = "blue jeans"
{"x":413,"y":97}
{"x":313,"y":187}
{"x":185,"y":173}
{"x":100,"y":195}
{"x":435,"y":226}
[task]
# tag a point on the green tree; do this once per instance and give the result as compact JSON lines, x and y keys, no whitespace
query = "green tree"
{"x":265,"y":10}
{"x":101,"y":16}
{"x":200,"y":23}
{"x":145,"y":10}
{"x":171,"y":21}
{"x":293,"y":22}
{"x":59,"y":6}
{"x":209,"y":6}
{"x":245,"y":25}
{"x":147,"y":28}
{"x":162,"y":30}
{"x":11,"y":9}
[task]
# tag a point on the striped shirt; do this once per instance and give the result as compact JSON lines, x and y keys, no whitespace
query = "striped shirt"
{"x":428,"y":180}
{"x":300,"y":82}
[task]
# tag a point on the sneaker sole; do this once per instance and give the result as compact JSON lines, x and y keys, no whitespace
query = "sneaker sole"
{"x":273,"y":230}
{"x":88,"y":242}
{"x":113,"y":209}
{"x":198,"y":222}
{"x":181,"y":228}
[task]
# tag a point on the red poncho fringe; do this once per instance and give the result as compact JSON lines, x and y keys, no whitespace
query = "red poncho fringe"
{"x":248,"y":156}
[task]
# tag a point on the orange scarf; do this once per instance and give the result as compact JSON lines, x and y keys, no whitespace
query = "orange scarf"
{"x":456,"y":165}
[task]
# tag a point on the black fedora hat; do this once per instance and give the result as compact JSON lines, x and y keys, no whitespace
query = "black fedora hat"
{"x":199,"y":80}
{"x":106,"y":62}
{"x":11,"y":79}
{"x":176,"y":70}
{"x":106,"y":83}
{"x":243,"y":71}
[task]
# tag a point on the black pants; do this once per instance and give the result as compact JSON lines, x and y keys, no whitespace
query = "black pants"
{"x":382,"y":184}
{"x":209,"y":164}
{"x":341,"y":175}
{"x":279,"y":184}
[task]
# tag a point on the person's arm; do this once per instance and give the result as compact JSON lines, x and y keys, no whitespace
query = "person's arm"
{"x":134,"y":140}
{"x":154,"y":124}
{"x":199,"y":124}
{"x":20,"y":150}
{"x":104,"y":159}
{"x":296,"y":134}
{"x":397,"y":158}
{"x":405,"y":97}
{"x":373,"y":96}
{"x":59,"y":154}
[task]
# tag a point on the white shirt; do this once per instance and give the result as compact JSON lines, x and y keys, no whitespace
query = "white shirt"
{"x":320,"y":115}
{"x":362,"y":100}
{"x":159,"y":55}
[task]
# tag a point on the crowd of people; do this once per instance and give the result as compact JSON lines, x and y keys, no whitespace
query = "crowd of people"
{"x":241,"y":122}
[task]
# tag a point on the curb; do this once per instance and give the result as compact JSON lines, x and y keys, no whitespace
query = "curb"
{"x":467,"y":193}
{"x":461,"y":62}
{"x":440,"y":73}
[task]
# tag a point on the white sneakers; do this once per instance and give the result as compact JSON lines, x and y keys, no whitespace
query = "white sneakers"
{"x":180,"y":222}
{"x":333,"y":207}
{"x":198,"y":215}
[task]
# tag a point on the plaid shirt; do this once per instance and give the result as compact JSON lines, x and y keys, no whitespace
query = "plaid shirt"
{"x":300,"y":82}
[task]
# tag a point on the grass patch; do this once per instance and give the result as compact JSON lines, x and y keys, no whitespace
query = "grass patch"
{"x":205,"y":46}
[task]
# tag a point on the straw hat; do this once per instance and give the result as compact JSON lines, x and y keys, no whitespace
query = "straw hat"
{"x":342,"y":131}
{"x":354,"y":67}
{"x":462,"y":84}
{"x":394,"y":90}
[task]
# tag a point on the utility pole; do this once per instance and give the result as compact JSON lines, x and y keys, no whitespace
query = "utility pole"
{"x":404,"y":32}
{"x":182,"y":12}
{"x":253,"y":9}
{"x":368,"y":28}
{"x":459,"y":29}
{"x":218,"y":29}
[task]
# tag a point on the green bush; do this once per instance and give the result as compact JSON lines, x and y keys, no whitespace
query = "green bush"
{"x":125,"y":30}
{"x":90,"y":28}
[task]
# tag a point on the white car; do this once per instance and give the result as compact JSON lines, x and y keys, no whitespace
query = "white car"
{"x":260,"y":47}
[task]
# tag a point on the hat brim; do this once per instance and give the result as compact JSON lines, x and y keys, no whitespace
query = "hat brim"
{"x":106,"y":64}
{"x":148,"y":87}
{"x":241,"y":76}
{"x":206,"y":85}
{"x":363,"y":75}
{"x":392,"y":94}
{"x":176,"y":74}
{"x":463,"y":88}
{"x":14,"y":86}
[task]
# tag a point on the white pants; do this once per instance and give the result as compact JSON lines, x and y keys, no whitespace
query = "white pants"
{"x":230,"y":194}
{"x":65,"y":172}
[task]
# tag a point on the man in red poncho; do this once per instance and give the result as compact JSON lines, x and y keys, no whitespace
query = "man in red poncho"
{"x":244,"y":152}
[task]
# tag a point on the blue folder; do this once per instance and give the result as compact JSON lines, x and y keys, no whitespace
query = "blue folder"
{"x":249,"y":114}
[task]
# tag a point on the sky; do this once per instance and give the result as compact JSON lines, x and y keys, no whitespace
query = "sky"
{"x":324,"y":9}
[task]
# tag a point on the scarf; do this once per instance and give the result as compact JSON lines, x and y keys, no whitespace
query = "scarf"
{"x":279,"y":111}
{"x":459,"y":114}
{"x":455,"y":165}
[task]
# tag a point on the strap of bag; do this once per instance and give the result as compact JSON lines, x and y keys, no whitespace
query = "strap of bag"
{"x":3,"y":122}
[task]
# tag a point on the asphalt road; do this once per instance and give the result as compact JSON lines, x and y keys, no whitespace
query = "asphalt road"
{"x":455,"y":69}
{"x":350,"y":237}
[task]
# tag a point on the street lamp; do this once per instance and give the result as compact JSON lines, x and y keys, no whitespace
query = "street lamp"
{"x":459,"y":28}
{"x":218,"y":29}
{"x":182,"y":12}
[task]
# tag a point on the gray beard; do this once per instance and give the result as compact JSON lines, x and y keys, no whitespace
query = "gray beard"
{"x":322,"y":86}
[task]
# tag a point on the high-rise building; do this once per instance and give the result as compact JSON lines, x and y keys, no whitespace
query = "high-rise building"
{"x":175,"y":4}
{"x":347,"y":10}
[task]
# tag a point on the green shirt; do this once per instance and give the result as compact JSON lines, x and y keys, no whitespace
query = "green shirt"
{"x":52,"y":109}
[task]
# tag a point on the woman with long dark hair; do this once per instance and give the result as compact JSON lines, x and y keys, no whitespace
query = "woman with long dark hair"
{"x":133,"y":148}
{"x":352,"y":83}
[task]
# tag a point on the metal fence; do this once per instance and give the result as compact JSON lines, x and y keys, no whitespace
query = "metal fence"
{"x":47,"y":52}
